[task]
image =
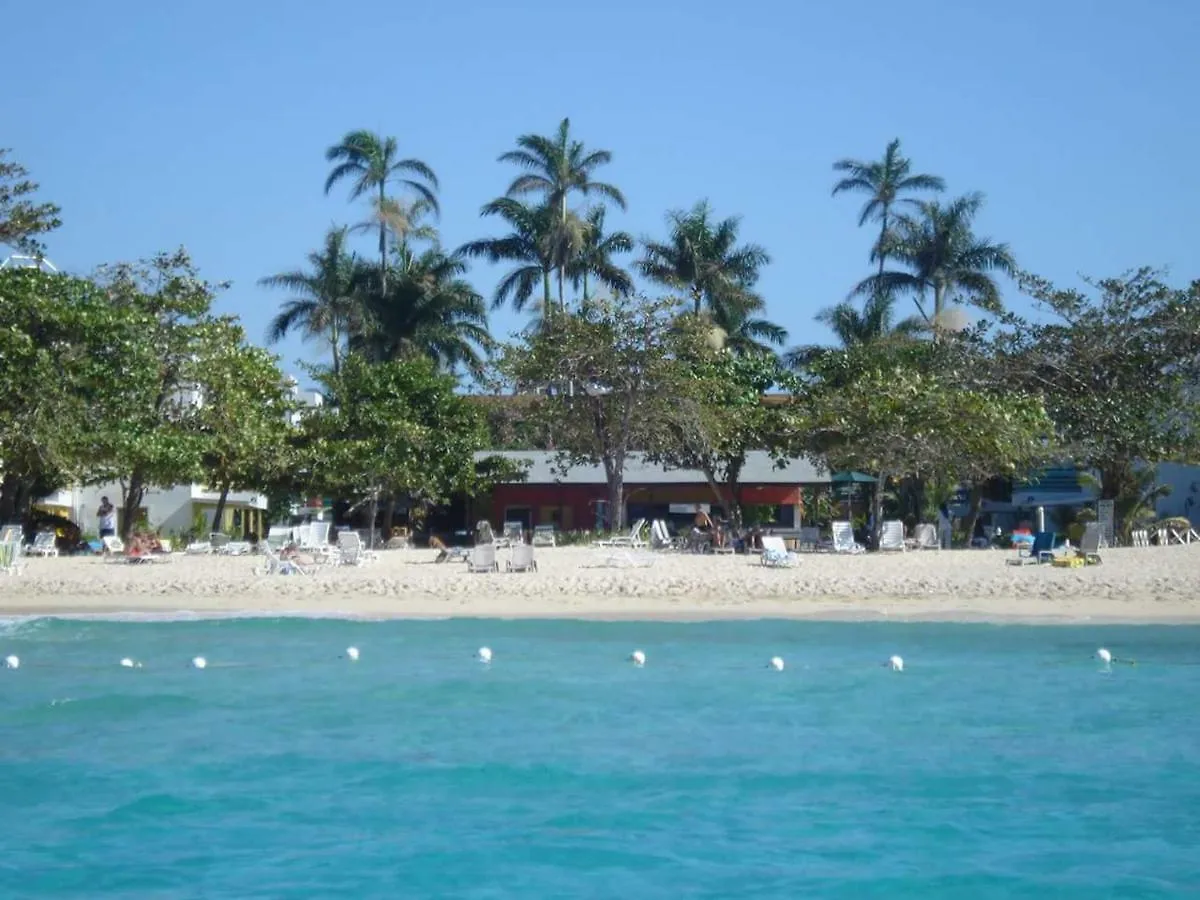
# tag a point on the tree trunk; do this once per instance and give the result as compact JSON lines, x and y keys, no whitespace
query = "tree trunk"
{"x":882,"y":235}
{"x":547,"y":303}
{"x":975,"y":502}
{"x":616,"y":494}
{"x":382,"y":243}
{"x":131,"y":501}
{"x":733,"y":486}
{"x":389,"y":517}
{"x":9,"y":492}
{"x":336,"y":337}
{"x":373,"y":515}
{"x":219,"y":512}
{"x":562,"y":298}
{"x":877,"y":510}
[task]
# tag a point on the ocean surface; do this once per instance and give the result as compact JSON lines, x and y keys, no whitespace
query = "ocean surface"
{"x":1003,"y":762}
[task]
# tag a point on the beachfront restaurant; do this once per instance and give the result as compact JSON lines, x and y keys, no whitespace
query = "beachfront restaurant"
{"x":576,"y":499}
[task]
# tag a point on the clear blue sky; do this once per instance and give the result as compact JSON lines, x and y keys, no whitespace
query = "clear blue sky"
{"x":205,"y":123}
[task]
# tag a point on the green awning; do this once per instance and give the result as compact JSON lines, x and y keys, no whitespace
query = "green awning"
{"x":852,"y":478}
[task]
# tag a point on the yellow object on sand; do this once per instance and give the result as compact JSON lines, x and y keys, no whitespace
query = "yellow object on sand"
{"x":1068,"y":562}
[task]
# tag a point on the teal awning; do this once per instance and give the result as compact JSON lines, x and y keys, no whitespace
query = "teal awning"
{"x":852,"y":478}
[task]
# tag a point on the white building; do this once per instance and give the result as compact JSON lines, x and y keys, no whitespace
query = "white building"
{"x":180,"y":508}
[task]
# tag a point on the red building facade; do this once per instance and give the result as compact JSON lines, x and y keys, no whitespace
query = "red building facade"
{"x":577,"y":499}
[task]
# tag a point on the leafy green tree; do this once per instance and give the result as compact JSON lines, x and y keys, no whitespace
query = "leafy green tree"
{"x":59,"y":341}
{"x":1117,"y":368}
{"x":556,"y":167}
{"x":21,"y":219}
{"x":147,"y":429}
{"x":944,"y":258}
{"x":702,"y":259}
{"x":242,"y":416}
{"x":895,"y":412}
{"x":325,"y":303}
{"x":393,"y":428}
{"x":530,"y":245}
{"x":885,"y":183}
{"x":370,"y":162}
{"x":718,"y":416}
{"x":600,"y":381}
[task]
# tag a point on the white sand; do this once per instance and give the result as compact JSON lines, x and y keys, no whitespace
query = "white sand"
{"x":1132,"y":585}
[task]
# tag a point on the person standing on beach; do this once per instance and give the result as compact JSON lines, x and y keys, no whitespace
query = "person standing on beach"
{"x":107,"y":514}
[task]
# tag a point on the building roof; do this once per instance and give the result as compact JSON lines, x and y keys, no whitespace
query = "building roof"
{"x":759,"y":469}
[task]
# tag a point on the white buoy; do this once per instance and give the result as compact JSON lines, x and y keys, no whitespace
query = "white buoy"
{"x":895,"y":663}
{"x":12,"y":662}
{"x":777,"y":663}
{"x":199,"y":662}
{"x":484,"y":655}
{"x":352,"y":654}
{"x":1104,"y":656}
{"x":128,"y":663}
{"x":638,"y":658}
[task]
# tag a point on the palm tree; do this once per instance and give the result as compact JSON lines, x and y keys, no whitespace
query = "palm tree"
{"x":876,"y":321}
{"x":944,"y":258}
{"x":595,"y":257}
{"x":326,"y":301}
{"x":404,"y":220}
{"x":884,"y":182}
{"x":555,"y":167}
{"x":370,"y":161}
{"x":429,"y":309}
{"x":743,"y":334}
{"x":703,"y":259}
{"x":530,"y":245}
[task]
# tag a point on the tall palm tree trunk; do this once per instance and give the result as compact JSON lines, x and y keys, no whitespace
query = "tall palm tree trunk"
{"x":562,"y":301}
{"x":883,"y":229}
{"x":335,"y":338}
{"x":382,"y":242}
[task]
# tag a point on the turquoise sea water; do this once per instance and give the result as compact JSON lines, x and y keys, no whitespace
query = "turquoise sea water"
{"x":1001,"y":763}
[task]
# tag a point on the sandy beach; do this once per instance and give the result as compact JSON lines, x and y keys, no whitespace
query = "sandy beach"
{"x":1151,"y":585}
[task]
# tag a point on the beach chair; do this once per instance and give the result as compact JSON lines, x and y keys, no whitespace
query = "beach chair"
{"x":1089,"y":544}
{"x":925,"y":537}
{"x":116,"y":551}
{"x":483,"y":559}
{"x":775,"y":553}
{"x":278,"y":537}
{"x":891,"y":536}
{"x":522,"y":559}
{"x":843,"y":539}
{"x":12,"y":560}
{"x":514,"y":533}
{"x":629,"y":560}
{"x":660,"y":537}
{"x":44,"y":544}
{"x":276,"y":564}
{"x":632,"y":540}
{"x":809,"y":539}
{"x":350,"y":550}
{"x":1039,"y":551}
{"x":544,"y":536}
